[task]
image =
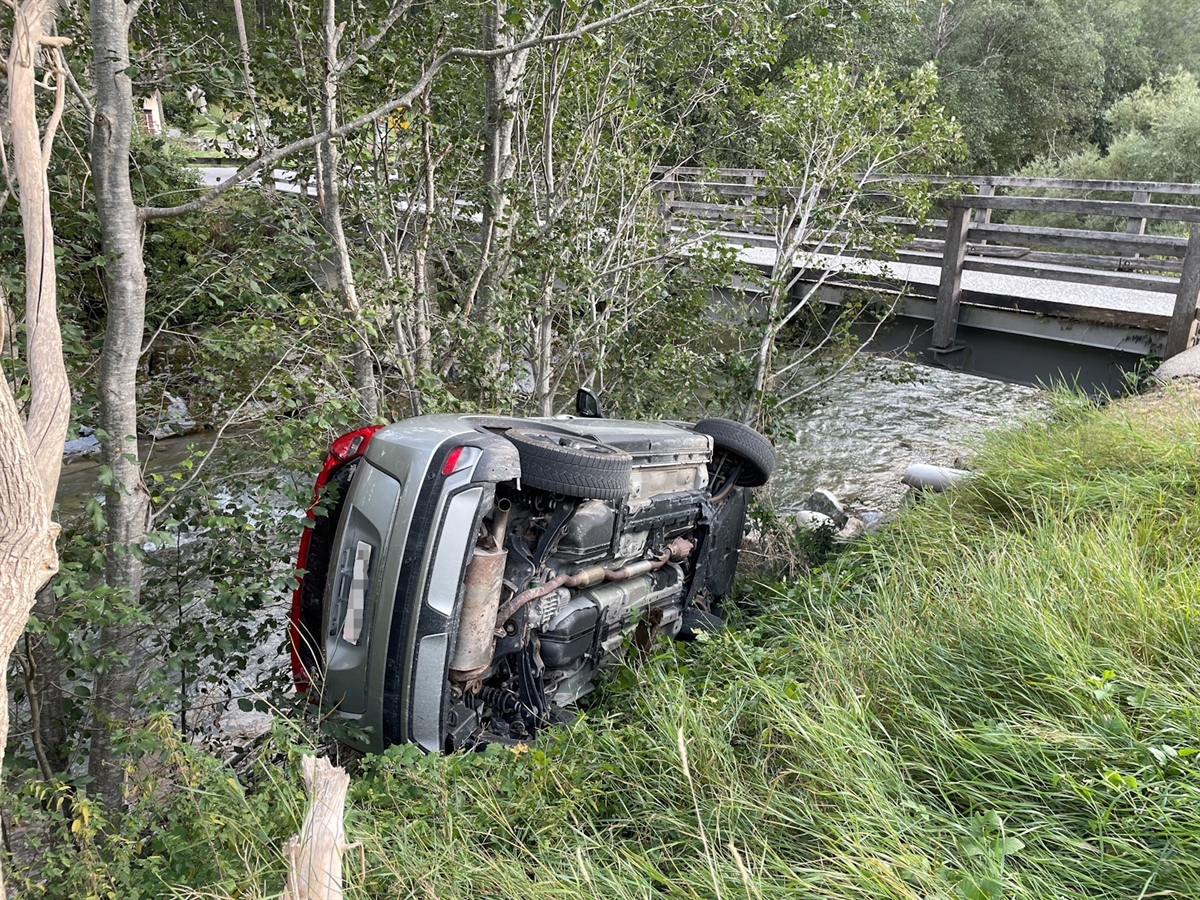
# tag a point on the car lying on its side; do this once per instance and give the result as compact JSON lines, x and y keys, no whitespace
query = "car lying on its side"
{"x":464,"y":577}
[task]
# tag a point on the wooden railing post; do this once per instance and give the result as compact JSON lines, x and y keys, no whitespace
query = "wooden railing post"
{"x":1183,"y":321}
{"x":1136,"y":226}
{"x":949,"y":298}
{"x":665,"y":207}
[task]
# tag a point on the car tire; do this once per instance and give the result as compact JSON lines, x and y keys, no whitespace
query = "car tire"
{"x":754,"y":451}
{"x":570,"y":465}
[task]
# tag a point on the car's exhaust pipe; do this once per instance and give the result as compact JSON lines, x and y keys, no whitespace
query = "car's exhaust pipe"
{"x":678,"y":549}
{"x":482,"y":583}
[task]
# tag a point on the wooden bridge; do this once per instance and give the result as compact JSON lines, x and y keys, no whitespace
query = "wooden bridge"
{"x":1075,"y":276}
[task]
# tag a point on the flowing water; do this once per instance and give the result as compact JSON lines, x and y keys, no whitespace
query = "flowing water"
{"x":864,"y":429}
{"x":868,"y":426}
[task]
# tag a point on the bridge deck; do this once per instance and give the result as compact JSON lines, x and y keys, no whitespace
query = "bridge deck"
{"x":1034,"y":287}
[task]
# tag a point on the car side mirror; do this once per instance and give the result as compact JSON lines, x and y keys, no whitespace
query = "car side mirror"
{"x":587,"y":404}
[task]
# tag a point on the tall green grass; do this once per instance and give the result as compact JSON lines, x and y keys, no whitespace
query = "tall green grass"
{"x":997,"y":697}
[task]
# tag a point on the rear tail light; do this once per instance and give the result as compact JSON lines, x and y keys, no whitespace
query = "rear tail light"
{"x":452,"y":461}
{"x":347,"y":448}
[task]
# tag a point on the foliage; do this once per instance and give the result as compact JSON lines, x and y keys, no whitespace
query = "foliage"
{"x":1155,"y":130}
{"x":996,"y":697}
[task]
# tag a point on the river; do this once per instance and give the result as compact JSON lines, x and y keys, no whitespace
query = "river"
{"x":867,"y":426}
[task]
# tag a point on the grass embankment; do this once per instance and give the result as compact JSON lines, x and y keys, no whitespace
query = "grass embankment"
{"x":1000,"y":696}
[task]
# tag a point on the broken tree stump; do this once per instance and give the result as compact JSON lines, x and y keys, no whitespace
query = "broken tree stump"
{"x":314,"y":856}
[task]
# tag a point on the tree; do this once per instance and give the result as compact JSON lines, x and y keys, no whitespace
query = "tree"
{"x":122,"y":226}
{"x":31,"y":450}
{"x":825,"y":138}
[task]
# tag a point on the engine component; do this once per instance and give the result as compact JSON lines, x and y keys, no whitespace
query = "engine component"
{"x":544,"y":610}
{"x":570,"y":635}
{"x":589,"y":533}
{"x":677,"y":549}
{"x":482,"y":584}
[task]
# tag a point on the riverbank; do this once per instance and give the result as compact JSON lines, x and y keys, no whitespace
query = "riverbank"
{"x":998,"y":695}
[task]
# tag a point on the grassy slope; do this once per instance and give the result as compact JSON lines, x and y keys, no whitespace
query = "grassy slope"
{"x":998,"y":697}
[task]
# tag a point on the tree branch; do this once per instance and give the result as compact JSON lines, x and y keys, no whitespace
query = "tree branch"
{"x":405,"y":100}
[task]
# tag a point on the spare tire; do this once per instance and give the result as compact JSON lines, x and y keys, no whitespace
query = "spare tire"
{"x":751,"y":449}
{"x":571,"y":465}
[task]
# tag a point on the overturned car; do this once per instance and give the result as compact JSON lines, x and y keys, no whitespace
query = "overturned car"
{"x":464,"y":577}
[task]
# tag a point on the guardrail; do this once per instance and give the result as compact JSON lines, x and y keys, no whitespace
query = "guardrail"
{"x":967,"y":239}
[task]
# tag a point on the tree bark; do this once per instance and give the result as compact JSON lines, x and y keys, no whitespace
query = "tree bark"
{"x":31,"y":451}
{"x":503,"y":89}
{"x":45,"y":684}
{"x":331,"y":215}
{"x":127,"y":502}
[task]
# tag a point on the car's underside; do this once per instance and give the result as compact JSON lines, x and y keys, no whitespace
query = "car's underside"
{"x":611,"y":534}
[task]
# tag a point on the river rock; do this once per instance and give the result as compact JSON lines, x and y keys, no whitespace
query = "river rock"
{"x":852,"y":530}
{"x":823,"y":502}
{"x":86,"y":444}
{"x":872,"y":520}
{"x":176,"y":419}
{"x":807,"y":518}
{"x":1181,"y":365}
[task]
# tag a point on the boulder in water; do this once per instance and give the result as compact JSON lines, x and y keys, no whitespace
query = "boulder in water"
{"x":823,"y":502}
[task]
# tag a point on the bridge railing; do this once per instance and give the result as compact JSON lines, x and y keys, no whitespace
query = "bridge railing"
{"x":1123,"y":255}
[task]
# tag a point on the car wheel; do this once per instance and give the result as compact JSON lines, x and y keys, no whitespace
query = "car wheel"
{"x":570,"y":465}
{"x":751,"y":449}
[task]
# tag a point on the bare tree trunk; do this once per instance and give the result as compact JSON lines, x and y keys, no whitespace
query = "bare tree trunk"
{"x":503,"y":89}
{"x":127,"y":503}
{"x":244,"y":46}
{"x":423,"y":300}
{"x":31,"y":451}
{"x":331,"y":214}
{"x":45,"y":685}
{"x":543,"y":367}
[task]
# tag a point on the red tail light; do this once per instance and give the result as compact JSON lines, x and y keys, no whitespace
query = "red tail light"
{"x":345,"y":449}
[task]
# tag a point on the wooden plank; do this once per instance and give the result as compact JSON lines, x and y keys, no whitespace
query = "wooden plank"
{"x":1183,"y":320}
{"x":1082,"y":239}
{"x":1137,"y":226}
{"x":983,"y":216}
{"x":1074,"y":260}
{"x":1118,"y":208}
{"x":1075,"y":276}
{"x":949,"y":294}
{"x":1071,"y":312}
{"x":1176,"y":188}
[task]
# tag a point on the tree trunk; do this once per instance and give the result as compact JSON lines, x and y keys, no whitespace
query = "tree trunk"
{"x":45,"y":685}
{"x":331,"y":215}
{"x":543,"y":367}
{"x":127,"y":502}
{"x":244,"y":47}
{"x":503,"y":88}
{"x":31,"y":451}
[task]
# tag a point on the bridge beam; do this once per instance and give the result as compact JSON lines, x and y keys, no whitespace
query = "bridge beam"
{"x":949,"y":296}
{"x":1182,"y":332}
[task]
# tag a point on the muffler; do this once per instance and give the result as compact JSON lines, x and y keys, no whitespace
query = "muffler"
{"x":482,"y":584}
